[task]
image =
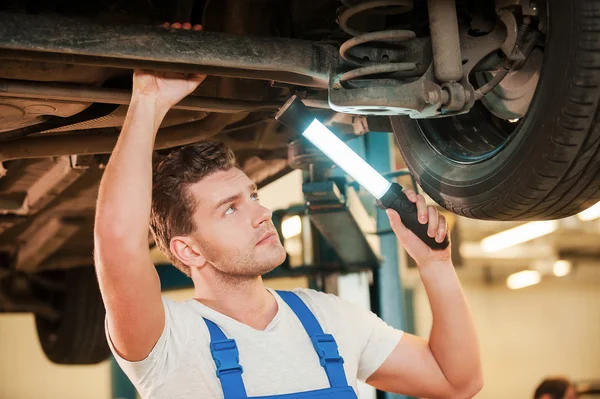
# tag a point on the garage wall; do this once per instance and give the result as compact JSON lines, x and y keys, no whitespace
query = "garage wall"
{"x":548,"y":329}
{"x":25,"y":372}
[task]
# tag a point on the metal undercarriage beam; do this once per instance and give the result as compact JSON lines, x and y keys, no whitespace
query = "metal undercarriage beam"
{"x":74,"y":41}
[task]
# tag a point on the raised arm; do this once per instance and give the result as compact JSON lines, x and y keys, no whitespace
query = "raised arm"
{"x":128,"y":280}
{"x":448,"y":364}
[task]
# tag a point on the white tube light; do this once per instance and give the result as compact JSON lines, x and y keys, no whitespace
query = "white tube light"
{"x":291,"y":227}
{"x":523,"y":279}
{"x":561,"y":268}
{"x":591,"y":213}
{"x":346,"y":159}
{"x":518,"y":235}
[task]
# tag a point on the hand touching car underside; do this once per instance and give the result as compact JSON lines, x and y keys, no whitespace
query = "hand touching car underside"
{"x":167,"y":88}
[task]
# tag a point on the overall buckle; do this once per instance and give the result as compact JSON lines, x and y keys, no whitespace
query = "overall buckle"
{"x":327,"y":349}
{"x":226,"y":356}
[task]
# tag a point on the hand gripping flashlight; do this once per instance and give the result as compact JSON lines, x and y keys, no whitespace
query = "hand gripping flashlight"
{"x":296,"y":115}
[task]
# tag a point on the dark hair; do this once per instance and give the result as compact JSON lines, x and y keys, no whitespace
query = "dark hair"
{"x":555,"y":387}
{"x":172,"y":203}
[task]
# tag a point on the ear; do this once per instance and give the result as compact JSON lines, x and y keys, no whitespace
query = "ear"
{"x":187,"y":251}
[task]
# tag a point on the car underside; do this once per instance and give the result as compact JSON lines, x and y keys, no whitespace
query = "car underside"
{"x":492,"y":104}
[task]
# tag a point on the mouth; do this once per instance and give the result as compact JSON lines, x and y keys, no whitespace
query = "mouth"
{"x":267,"y":237}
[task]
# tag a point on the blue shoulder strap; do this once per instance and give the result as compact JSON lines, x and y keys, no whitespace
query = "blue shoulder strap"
{"x":227,"y":359}
{"x":324,"y":344}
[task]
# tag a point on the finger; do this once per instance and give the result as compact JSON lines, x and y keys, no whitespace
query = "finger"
{"x":176,"y":25}
{"x":422,"y":209}
{"x":187,"y":26}
{"x":197,"y":27}
{"x":396,"y":223}
{"x":412,"y":196}
{"x":442,"y":229}
{"x":196,"y":77}
{"x":432,"y":227}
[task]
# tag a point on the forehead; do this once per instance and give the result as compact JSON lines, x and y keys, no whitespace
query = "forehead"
{"x":219,"y":185}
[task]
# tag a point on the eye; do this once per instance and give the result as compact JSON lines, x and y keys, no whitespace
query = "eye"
{"x":254,"y":196}
{"x":230,"y":210}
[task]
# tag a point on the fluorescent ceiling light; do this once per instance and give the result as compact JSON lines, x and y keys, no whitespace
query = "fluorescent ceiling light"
{"x":346,"y":159}
{"x":518,"y":235}
{"x":291,"y":227}
{"x":561,"y":268}
{"x":591,"y":213}
{"x":523,"y":279}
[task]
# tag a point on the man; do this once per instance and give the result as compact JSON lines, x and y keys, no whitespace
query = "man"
{"x":555,"y":388}
{"x":235,"y":334}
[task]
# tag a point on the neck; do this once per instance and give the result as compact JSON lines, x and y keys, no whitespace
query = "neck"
{"x":245,"y":299}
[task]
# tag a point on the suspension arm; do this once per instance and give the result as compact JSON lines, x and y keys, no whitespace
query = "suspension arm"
{"x":74,"y":41}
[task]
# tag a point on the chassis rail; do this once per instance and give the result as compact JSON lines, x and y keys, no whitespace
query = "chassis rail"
{"x":74,"y":41}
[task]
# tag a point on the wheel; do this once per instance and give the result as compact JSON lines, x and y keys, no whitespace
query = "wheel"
{"x":487,"y":165}
{"x":78,"y":336}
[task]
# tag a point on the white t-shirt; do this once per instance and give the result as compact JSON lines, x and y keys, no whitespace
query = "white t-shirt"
{"x":278,"y":360}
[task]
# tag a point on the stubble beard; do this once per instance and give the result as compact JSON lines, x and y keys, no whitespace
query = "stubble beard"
{"x":244,"y":266}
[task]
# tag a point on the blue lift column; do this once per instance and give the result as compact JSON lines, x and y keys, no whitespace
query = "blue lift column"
{"x":389,"y":298}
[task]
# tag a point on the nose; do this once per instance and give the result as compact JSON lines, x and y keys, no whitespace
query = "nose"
{"x":262,"y":215}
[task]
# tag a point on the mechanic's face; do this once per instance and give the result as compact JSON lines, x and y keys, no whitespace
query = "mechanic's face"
{"x":235,"y":233}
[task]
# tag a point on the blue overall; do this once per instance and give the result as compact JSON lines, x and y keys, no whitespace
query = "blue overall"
{"x":229,"y":371}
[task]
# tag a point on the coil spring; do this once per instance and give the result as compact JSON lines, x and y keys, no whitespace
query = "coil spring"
{"x":371,"y":67}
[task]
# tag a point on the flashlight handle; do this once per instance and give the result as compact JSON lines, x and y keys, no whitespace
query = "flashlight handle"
{"x":398,"y":201}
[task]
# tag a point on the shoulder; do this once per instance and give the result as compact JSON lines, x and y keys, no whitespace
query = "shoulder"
{"x":329,"y":309}
{"x":175,"y":311}
{"x":183,"y":314}
{"x":335,"y":311}
{"x":176,"y":306}
{"x":323,"y":300}
{"x":317,"y":299}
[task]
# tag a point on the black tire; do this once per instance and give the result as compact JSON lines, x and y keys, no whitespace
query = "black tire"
{"x":78,"y":337}
{"x":549,"y":167}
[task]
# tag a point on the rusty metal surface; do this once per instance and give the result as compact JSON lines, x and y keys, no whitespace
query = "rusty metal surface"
{"x":385,"y":35}
{"x":366,"y":90}
{"x":45,"y":189}
{"x":388,"y":7}
{"x":24,"y":89}
{"x":377,"y":69}
{"x":72,"y":41}
{"x":417,"y":51}
{"x":510,"y":22}
{"x":43,"y":242}
{"x":48,"y":122}
{"x":527,"y":7}
{"x":372,"y":60}
{"x":443,"y":24}
{"x":457,"y":97}
{"x":389,"y":97}
{"x":18,"y":113}
{"x":104,"y":140}
{"x":510,"y":99}
{"x":474,"y":49}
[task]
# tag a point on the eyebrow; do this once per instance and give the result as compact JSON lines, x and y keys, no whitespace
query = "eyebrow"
{"x":252,"y":187}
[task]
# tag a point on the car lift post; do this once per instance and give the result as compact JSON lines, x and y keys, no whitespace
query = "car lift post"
{"x":388,"y":299}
